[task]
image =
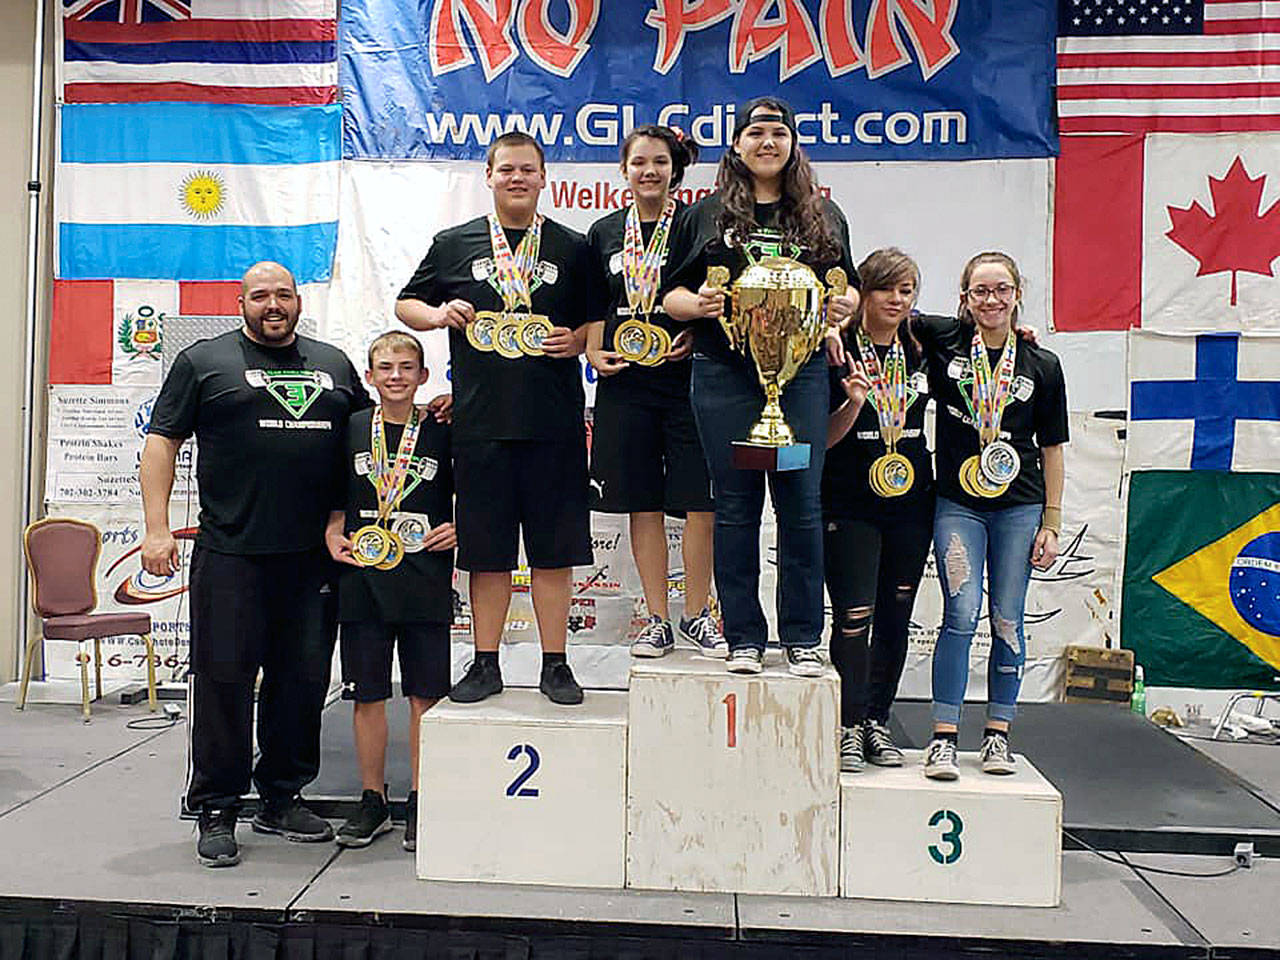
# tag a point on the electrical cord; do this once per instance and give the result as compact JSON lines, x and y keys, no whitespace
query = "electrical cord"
{"x":154,"y":723}
{"x":1140,"y":869}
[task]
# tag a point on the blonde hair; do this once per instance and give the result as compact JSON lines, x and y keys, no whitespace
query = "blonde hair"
{"x":394,"y":340}
{"x":990,"y":256}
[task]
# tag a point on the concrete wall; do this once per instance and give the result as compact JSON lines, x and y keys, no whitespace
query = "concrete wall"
{"x":16,"y":67}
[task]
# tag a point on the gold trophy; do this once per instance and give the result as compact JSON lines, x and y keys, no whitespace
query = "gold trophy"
{"x":775,"y":316}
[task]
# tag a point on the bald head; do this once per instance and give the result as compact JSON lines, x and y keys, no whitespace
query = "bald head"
{"x":270,"y":304}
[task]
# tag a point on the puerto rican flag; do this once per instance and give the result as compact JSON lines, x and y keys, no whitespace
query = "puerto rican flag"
{"x":275,"y":52}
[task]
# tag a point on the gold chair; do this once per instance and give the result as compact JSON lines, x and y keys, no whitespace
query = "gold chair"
{"x":62,"y":559}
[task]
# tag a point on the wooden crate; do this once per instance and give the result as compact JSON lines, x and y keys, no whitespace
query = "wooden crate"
{"x":1098,"y":675}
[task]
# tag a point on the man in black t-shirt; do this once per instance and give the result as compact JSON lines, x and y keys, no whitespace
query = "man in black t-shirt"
{"x":268,"y":409}
{"x":398,"y":476}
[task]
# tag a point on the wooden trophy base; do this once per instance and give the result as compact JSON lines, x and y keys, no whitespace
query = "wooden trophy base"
{"x":755,"y":456}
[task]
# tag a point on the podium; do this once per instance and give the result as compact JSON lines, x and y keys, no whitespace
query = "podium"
{"x":519,"y":790}
{"x":980,"y":839}
{"x":733,"y":781}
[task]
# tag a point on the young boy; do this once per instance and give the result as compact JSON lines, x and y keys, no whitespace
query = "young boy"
{"x":397,"y":538}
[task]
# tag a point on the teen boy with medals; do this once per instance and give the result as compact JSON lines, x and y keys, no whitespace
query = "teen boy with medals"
{"x":520,"y":456}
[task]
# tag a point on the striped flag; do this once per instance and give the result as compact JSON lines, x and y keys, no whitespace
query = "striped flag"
{"x":1128,"y":70}
{"x":280,"y":52}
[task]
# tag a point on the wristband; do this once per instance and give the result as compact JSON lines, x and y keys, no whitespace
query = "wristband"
{"x":1052,"y":519}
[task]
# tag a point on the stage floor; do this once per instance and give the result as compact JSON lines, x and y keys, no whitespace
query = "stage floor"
{"x":89,"y":829}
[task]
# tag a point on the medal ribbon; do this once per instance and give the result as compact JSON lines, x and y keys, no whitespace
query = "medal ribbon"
{"x":889,"y":384}
{"x":390,"y":482}
{"x":641,"y":264}
{"x":512,"y":273}
{"x":991,"y":390}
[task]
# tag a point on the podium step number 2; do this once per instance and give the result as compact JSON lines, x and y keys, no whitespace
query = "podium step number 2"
{"x":518,"y":790}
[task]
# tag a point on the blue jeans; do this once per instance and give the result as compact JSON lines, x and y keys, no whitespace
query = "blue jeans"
{"x":727,"y":400}
{"x":963,"y":541}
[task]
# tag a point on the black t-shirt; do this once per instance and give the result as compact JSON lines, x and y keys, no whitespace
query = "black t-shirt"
{"x":419,"y":588}
{"x":529,"y":398}
{"x":846,"y":485}
{"x":697,"y":243}
{"x":1035,"y":415}
{"x":269,"y":422}
{"x":666,"y":381}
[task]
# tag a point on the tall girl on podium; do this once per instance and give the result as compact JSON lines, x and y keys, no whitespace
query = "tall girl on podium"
{"x":1002,"y":422}
{"x":877,"y":503}
{"x":645,"y":454}
{"x":766,"y":199}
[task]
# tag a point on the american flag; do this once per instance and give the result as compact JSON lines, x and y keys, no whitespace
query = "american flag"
{"x":1142,"y":66}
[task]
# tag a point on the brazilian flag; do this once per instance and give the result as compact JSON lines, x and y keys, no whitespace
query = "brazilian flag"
{"x":1201,"y":594}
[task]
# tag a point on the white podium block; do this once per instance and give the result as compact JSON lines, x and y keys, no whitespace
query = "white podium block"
{"x":979,"y":839}
{"x":733,"y":780}
{"x":518,"y":790}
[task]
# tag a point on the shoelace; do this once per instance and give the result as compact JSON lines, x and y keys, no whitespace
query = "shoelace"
{"x":850,"y":743}
{"x":997,"y":747}
{"x":805,"y":655}
{"x":653,"y":631}
{"x":943,"y":751}
{"x":703,"y":628}
{"x":879,"y":739}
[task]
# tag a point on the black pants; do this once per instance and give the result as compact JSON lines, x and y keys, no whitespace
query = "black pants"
{"x":873,"y":570}
{"x":277,"y":612}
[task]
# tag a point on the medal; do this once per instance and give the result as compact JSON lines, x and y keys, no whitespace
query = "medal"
{"x":395,"y":553}
{"x":998,"y":462}
{"x":892,"y":474}
{"x":532,"y":330}
{"x":375,"y":545}
{"x":411,"y":531}
{"x":638,"y":340}
{"x":480,"y":330}
{"x":506,"y":337}
{"x":511,"y":275}
{"x":370,"y":545}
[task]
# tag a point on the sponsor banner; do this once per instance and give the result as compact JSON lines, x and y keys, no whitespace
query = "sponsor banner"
{"x":95,"y":444}
{"x":869,"y":79}
{"x":1200,"y":599}
{"x":124,"y":587}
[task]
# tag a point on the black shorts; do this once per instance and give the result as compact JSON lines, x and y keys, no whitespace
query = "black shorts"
{"x":366,"y":659}
{"x":646,"y":456}
{"x":506,"y":488}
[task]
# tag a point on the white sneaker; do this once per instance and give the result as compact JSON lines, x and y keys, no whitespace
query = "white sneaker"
{"x":745,"y":660}
{"x":995,"y":755}
{"x":805,"y":662}
{"x":940,"y":760}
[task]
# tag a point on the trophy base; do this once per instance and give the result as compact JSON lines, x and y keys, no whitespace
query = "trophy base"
{"x":758,"y":456}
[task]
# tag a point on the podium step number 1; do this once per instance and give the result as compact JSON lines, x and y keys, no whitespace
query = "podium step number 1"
{"x":519,"y":790}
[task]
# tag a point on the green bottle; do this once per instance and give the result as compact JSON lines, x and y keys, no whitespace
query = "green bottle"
{"x":1138,"y":702}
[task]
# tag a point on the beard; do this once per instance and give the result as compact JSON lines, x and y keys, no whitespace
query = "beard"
{"x":257,"y":325}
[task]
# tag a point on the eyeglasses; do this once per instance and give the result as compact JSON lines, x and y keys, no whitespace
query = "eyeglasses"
{"x":1003,"y":292}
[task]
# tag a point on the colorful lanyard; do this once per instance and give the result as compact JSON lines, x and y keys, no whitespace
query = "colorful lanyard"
{"x":390,"y":482}
{"x":991,"y":391}
{"x":888,"y":384}
{"x":512,"y":273}
{"x":641,"y":264}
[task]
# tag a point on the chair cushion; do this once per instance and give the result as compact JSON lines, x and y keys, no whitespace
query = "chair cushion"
{"x":88,"y":626}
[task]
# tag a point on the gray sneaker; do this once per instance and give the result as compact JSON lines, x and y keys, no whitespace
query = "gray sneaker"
{"x":940,"y":760}
{"x":745,"y":660}
{"x":853,"y":749}
{"x":654,"y":640}
{"x":995,"y":755}
{"x":805,"y":662}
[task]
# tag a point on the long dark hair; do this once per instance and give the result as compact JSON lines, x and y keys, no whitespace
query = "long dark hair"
{"x":801,"y":217}
{"x":683,"y":150}
{"x":884,"y":269}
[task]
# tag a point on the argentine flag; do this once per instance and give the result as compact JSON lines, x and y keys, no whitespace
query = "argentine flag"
{"x":175,"y":191}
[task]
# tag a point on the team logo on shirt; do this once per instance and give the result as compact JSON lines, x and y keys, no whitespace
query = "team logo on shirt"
{"x":295,"y":390}
{"x":420,"y":469}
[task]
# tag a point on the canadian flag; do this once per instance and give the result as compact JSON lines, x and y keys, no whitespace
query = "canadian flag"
{"x":1167,"y":231}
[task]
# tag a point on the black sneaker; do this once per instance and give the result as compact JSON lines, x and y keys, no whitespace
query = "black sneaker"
{"x":853,"y":749}
{"x":559,"y":685}
{"x":483,"y":679}
{"x":881,"y":750}
{"x":411,"y":822}
{"x":291,"y":820}
{"x":368,"y":822}
{"x":216,"y":844}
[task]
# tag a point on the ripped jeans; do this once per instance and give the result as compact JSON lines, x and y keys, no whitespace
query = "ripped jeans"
{"x":964,"y":541}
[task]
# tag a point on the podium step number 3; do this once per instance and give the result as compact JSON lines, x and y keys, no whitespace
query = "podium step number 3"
{"x":518,"y":790}
{"x":979,"y":839}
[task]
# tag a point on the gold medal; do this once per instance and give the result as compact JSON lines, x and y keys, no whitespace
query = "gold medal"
{"x":975,"y":482}
{"x":370,"y":545}
{"x":533,"y":329}
{"x":633,"y":340}
{"x":659,"y":347}
{"x":892,"y":475}
{"x":965,"y":470}
{"x":480,"y":330}
{"x":395,"y":552}
{"x":506,"y":337}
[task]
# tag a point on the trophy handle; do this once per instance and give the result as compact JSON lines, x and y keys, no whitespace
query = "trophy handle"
{"x":837,"y":282}
{"x":718,"y":279}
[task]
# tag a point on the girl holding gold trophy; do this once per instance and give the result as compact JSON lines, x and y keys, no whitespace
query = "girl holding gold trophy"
{"x":766,"y":210}
{"x":645,"y":456}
